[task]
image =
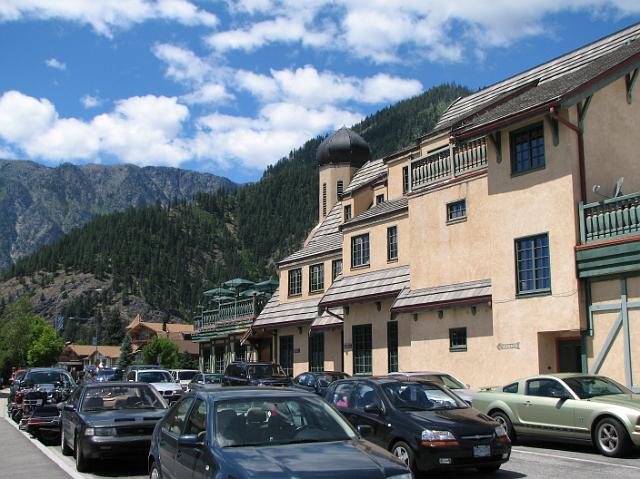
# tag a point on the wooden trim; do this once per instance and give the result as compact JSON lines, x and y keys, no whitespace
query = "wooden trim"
{"x":611,"y":242}
{"x":439,"y":304}
{"x":359,"y":299}
{"x":446,"y":183}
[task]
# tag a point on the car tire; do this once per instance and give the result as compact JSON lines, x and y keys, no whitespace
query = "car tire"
{"x":154,"y":472}
{"x":611,"y":437}
{"x":66,"y":450}
{"x":488,"y":469}
{"x":404,"y":452}
{"x":82,"y":462}
{"x":505,"y":422}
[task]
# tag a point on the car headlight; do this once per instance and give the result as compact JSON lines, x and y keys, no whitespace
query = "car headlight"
{"x":434,"y":435}
{"x":408,"y":475}
{"x":100,"y":431}
{"x":501,"y":431}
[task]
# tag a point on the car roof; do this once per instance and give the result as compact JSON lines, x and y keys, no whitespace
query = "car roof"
{"x":252,"y":393}
{"x":383,"y":379}
{"x":420,"y":373}
{"x":114,"y":384}
{"x":154,"y":370}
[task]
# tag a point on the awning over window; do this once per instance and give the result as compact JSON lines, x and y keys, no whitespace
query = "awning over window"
{"x":276,"y":314}
{"x":430,"y":298}
{"x":327,"y":320}
{"x":366,"y":287}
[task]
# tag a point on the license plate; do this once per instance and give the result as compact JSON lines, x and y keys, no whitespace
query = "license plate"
{"x":481,"y":451}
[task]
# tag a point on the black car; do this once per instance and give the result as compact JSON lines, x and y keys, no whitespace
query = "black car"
{"x":109,"y":419}
{"x":205,"y":380}
{"x":108,"y":374}
{"x":254,"y":374}
{"x":422,"y":423}
{"x":244,"y":433}
{"x":317,"y":382}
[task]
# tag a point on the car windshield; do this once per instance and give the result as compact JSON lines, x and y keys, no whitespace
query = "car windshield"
{"x":47,"y":377}
{"x":416,"y":396}
{"x":108,"y":398}
{"x":275,"y":421}
{"x":106,"y":372}
{"x":155,"y":377}
{"x":587,"y":387}
{"x":325,"y":379}
{"x":212,"y":378}
{"x":186,"y":375}
{"x":260,"y":371}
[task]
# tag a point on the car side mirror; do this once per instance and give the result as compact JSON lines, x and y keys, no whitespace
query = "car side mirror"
{"x":373,"y":408}
{"x":365,"y":430}
{"x":63,"y":406}
{"x":190,"y":440}
{"x":561,"y":395}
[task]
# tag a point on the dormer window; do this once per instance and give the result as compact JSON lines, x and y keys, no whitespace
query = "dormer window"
{"x":379,"y":199}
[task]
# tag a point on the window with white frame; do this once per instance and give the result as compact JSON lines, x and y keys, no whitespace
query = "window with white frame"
{"x":316,"y":278}
{"x":360,"y":250}
{"x":295,"y":282}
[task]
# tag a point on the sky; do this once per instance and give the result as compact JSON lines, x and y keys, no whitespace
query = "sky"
{"x":231,"y":86}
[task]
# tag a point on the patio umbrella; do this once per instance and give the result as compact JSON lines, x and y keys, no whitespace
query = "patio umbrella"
{"x":250,"y":292}
{"x":221,"y":299}
{"x":268,"y":285}
{"x":238,"y":283}
{"x":219,"y":292}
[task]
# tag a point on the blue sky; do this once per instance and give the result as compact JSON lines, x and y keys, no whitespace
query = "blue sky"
{"x":229,"y":87}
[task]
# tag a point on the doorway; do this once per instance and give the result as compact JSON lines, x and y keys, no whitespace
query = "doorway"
{"x":569,"y":355}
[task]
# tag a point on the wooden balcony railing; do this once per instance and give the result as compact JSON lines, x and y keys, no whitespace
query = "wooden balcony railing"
{"x":241,"y":308}
{"x":610,"y":218}
{"x":436,"y":166}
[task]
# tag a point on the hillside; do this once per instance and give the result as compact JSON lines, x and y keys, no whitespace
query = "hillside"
{"x":38,"y":205}
{"x":161,"y":258}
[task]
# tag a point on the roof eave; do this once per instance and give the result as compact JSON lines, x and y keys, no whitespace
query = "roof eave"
{"x":439,"y":304}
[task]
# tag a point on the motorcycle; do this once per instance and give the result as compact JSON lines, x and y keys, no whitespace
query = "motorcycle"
{"x":36,"y":410}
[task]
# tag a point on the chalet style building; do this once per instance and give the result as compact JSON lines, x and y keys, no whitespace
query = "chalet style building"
{"x":142,"y":332}
{"x":503,"y":243}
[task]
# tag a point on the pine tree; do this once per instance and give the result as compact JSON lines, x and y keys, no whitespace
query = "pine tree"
{"x":125,"y":353}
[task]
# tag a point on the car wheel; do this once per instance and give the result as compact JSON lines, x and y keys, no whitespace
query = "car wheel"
{"x":488,"y":469}
{"x":48,"y":436}
{"x":403,"y":452}
{"x":82,"y":462}
{"x":154,"y":472}
{"x":505,"y":422}
{"x":611,"y":437}
{"x":66,"y":450}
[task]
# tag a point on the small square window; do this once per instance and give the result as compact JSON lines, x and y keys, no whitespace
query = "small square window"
{"x":458,"y":339}
{"x":379,"y":199}
{"x":457,"y":211}
{"x":527,"y":149}
{"x":295,"y":282}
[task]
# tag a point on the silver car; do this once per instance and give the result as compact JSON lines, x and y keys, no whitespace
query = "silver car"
{"x":461,"y":389}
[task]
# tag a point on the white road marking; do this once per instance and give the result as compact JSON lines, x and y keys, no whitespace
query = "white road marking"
{"x":50,"y":454}
{"x":590,"y":461}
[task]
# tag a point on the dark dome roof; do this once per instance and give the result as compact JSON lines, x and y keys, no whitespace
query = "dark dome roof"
{"x":344,"y":146}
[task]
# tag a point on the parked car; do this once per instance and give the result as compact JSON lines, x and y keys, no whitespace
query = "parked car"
{"x":569,"y":407}
{"x":137,"y":367}
{"x":316,"y":382}
{"x":453,"y":383}
{"x":108,"y":374}
{"x":254,"y":374}
{"x":160,"y":379}
{"x":102,"y":420}
{"x":205,"y":380}
{"x":422,"y":423}
{"x":246,"y":433}
{"x":183,"y":376}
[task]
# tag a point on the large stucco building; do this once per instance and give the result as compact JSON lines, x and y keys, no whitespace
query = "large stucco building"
{"x":487,"y":248}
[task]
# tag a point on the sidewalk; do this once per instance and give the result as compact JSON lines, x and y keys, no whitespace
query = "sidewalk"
{"x":19,"y":457}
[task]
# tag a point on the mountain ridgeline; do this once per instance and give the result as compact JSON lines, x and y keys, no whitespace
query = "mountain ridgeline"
{"x":169,"y":252}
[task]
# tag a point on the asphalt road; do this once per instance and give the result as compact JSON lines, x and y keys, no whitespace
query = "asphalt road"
{"x":528,"y":460}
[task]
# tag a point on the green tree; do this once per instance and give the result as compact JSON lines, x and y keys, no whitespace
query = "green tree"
{"x":47,"y":346}
{"x":125,"y":352}
{"x":187,"y":361}
{"x":113,"y":330}
{"x":160,"y":351}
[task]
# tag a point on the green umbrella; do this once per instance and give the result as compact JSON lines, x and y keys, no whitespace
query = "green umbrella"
{"x":221,"y":299}
{"x":219,"y":292}
{"x":250,"y":292}
{"x":268,"y":285}
{"x":238,"y":283}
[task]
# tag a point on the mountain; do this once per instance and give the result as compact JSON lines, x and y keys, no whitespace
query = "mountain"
{"x":161,"y":257}
{"x":38,"y":204}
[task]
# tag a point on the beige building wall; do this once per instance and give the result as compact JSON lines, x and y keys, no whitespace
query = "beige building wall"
{"x":361,"y":200}
{"x":332,"y":349}
{"x":394,"y":179}
{"x":378,"y":245}
{"x":300,"y":335}
{"x":330,"y":175}
{"x":611,"y":140}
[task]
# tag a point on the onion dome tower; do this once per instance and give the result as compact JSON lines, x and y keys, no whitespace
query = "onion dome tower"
{"x":339,"y":157}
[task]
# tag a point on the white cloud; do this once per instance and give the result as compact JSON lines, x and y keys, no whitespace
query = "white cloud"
{"x":104,"y":16}
{"x":209,"y":93}
{"x":142,"y":130}
{"x":89,"y":101}
{"x":55,"y":63}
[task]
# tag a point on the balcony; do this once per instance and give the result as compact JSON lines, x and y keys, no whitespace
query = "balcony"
{"x":608,"y":231}
{"x":435,"y":167}
{"x":242,"y":308}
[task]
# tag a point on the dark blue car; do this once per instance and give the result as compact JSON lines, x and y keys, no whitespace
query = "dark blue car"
{"x":268,"y":433}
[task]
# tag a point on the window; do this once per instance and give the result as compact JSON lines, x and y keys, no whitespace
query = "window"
{"x":546,"y":388}
{"x":339,"y":188}
{"x":197,"y":422}
{"x":336,"y":269}
{"x":527,"y":149}
{"x":392,"y":243}
{"x":347,"y":212}
{"x":360,"y":250}
{"x":324,"y":199}
{"x":362,"y":363}
{"x":379,"y":199}
{"x":392,"y":346}
{"x":219,"y":362}
{"x":458,"y":339}
{"x":286,"y":354}
{"x":405,"y":179}
{"x":510,"y":388}
{"x":176,"y":417}
{"x":316,"y":352}
{"x":365,"y":396}
{"x":533,"y":265}
{"x":239,"y":351}
{"x":295,"y":282}
{"x":457,"y":210}
{"x":342,"y":395}
{"x":316,"y":278}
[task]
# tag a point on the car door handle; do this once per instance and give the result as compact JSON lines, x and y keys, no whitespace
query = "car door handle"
{"x":527,"y":403}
